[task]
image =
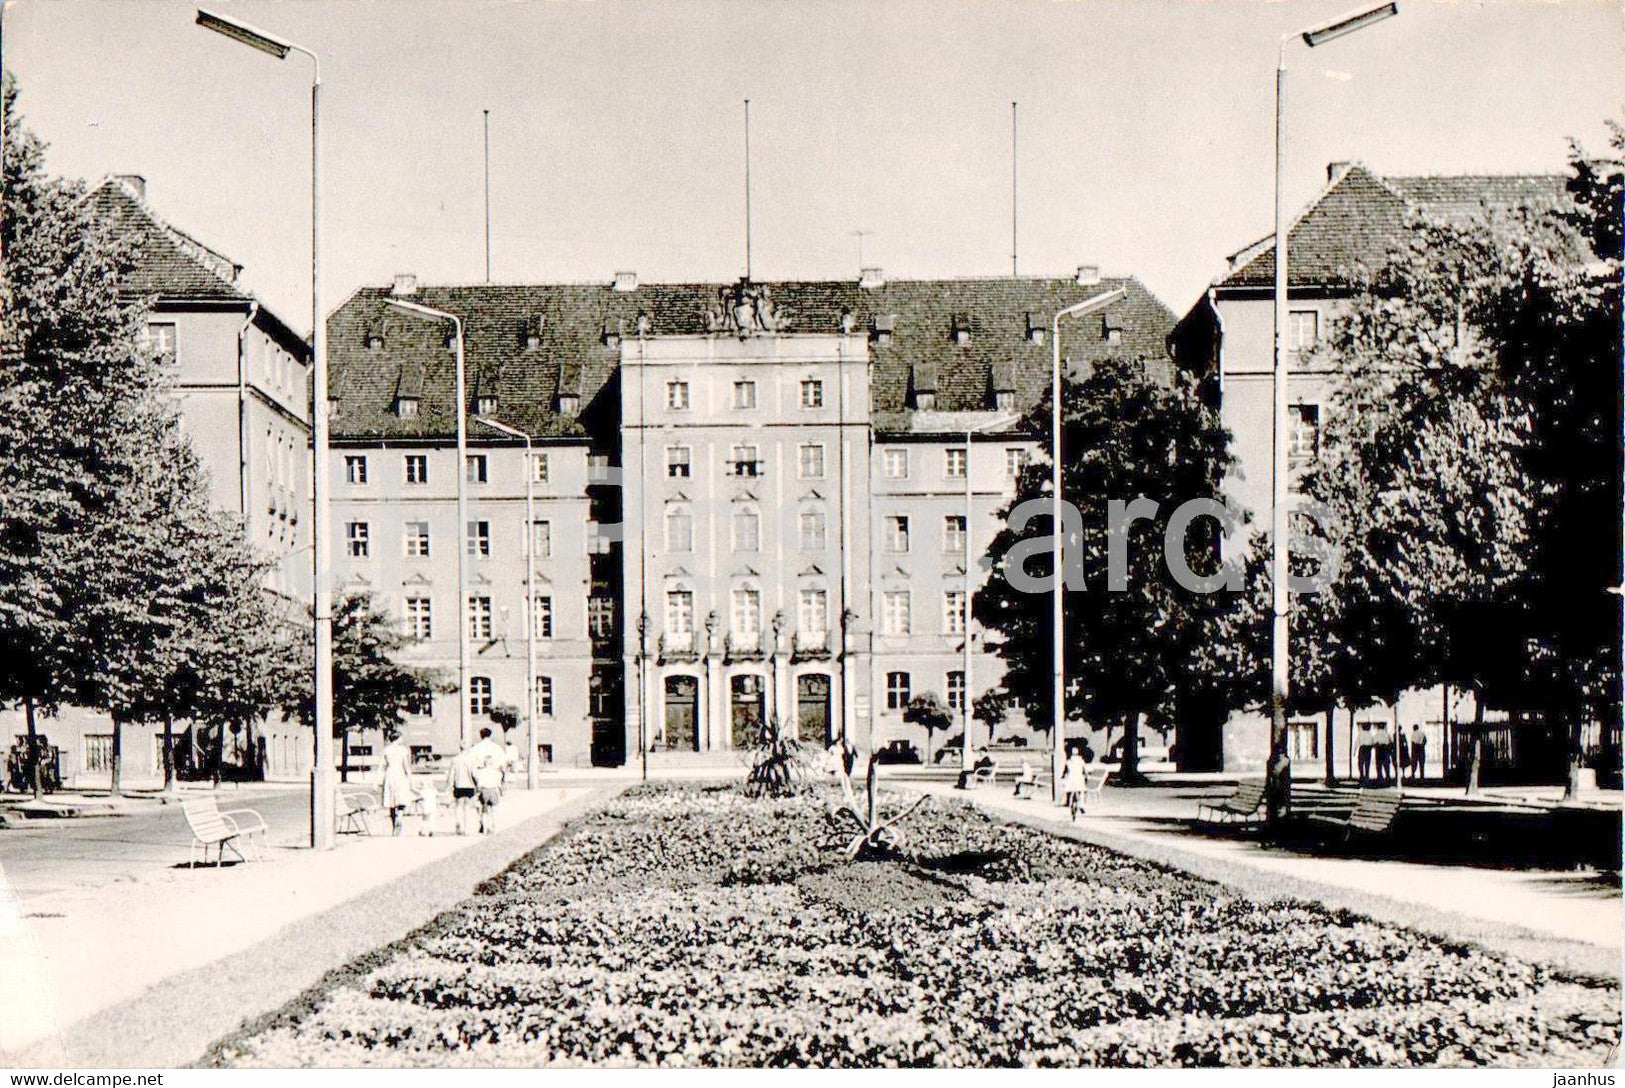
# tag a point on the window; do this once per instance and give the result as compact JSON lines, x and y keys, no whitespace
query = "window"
{"x":677,"y":396}
{"x":485,"y":406}
{"x":420,"y":617}
{"x":956,"y":689}
{"x":1303,"y":739}
{"x":813,"y":615}
{"x":406,"y":407}
{"x":541,"y":616}
{"x":479,"y":695}
{"x":897,"y":535}
{"x":474,"y":468}
{"x":541,"y":538}
{"x":747,"y":529}
{"x":355,"y":470}
{"x":417,"y":539}
{"x":679,"y":529}
{"x":744,"y":394}
{"x":479,"y":618}
{"x":417,"y":468}
{"x":161,"y":340}
{"x":601,"y":617}
{"x":813,"y":535}
{"x":538,"y":467}
{"x":747,"y":615}
{"x":953,"y":534}
{"x":1304,"y":442}
{"x":600,"y":697}
{"x":356,"y":535}
{"x":744,"y":461}
{"x":954,"y":462}
{"x":1015,"y":461}
{"x":599,"y":469}
{"x":569,"y":404}
{"x":544,"y":700}
{"x":896,"y":464}
{"x":895,"y":608}
{"x":810,"y":461}
{"x":925,"y":401}
{"x":479,"y":538}
{"x":897,"y":691}
{"x":812,"y":394}
{"x":953,"y":612}
{"x":680,"y":613}
{"x":97,"y":750}
{"x":420,"y":704}
{"x":678,"y":461}
{"x":1303,"y":329}
{"x":598,"y":541}
{"x":1004,"y":400}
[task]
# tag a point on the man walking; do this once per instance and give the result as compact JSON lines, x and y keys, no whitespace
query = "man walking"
{"x":1362,"y":751}
{"x":1419,"y":752}
{"x":461,"y":786}
{"x":486,"y":761}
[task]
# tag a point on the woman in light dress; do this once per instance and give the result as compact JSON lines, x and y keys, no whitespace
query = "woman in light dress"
{"x":1072,"y":783}
{"x":397,"y":781}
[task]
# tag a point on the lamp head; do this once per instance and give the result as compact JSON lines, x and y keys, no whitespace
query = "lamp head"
{"x":1348,"y":24}
{"x":242,"y":32}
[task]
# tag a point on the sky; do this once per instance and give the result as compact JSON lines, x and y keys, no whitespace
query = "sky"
{"x":1145,"y":141}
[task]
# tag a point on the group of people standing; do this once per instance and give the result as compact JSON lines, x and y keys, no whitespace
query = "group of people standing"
{"x":1379,"y":745}
{"x":473,"y":782}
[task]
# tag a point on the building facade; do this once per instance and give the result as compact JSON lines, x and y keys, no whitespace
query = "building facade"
{"x":1229,"y":336}
{"x":765,"y":505}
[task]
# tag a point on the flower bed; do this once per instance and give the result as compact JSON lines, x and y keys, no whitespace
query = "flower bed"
{"x":682,"y":926}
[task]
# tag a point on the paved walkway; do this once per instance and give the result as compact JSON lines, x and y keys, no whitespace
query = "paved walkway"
{"x":1573,"y":918}
{"x":85,"y":949}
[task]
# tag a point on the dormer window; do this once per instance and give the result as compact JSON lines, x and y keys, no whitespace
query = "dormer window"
{"x":569,"y":404}
{"x":961,"y":329}
{"x":451,"y":341}
{"x":611,"y":335}
{"x":406,"y":407}
{"x":1112,"y":334}
{"x":881,"y":328}
{"x":925,"y":402}
{"x":531,"y":333}
{"x":375,"y":340}
{"x":1035,"y":330}
{"x":485,"y":406}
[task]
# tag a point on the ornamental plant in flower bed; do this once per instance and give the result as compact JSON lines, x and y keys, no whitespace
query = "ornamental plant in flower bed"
{"x":682,"y":926}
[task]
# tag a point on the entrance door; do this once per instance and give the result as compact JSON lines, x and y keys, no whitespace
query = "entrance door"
{"x":682,"y":713}
{"x":812,"y":709}
{"x":747,"y":706}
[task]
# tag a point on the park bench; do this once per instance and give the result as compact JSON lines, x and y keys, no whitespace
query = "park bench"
{"x":1244,"y":802}
{"x":212,"y":827}
{"x":1027,"y":782}
{"x":354,"y":811}
{"x":1373,"y":814}
{"x":980,"y":776}
{"x":1094,"y":786}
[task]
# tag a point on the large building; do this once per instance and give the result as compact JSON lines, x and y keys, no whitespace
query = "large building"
{"x":1350,"y":228}
{"x":753,"y":500}
{"x":239,"y":375}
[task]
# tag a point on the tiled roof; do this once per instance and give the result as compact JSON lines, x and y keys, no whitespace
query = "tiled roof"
{"x":575,"y":328}
{"x":1358,"y":218}
{"x":168,"y":263}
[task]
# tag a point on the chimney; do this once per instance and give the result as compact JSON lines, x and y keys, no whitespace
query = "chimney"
{"x":1088,"y":274}
{"x":406,"y":283}
{"x":133,"y":182}
{"x":1335,"y":170}
{"x":871,"y":278}
{"x":626,"y":281}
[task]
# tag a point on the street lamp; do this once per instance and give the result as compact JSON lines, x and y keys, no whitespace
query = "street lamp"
{"x":530,"y":590}
{"x":1057,"y":536}
{"x":964,"y":701}
{"x":643,"y":708}
{"x":464,"y":728}
{"x":1279,"y":767}
{"x":322,"y":786}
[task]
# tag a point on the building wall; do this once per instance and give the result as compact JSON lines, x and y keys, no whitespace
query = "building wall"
{"x":386,"y":503}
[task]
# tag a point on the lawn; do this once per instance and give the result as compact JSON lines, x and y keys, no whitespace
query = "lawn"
{"x":682,"y":925}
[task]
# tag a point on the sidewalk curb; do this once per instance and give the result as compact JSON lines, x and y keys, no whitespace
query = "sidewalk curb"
{"x":1572,"y":956}
{"x":152,"y":1030}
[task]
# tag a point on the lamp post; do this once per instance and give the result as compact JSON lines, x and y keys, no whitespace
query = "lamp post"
{"x":322,"y":786}
{"x":530,"y":590}
{"x":1278,"y":769}
{"x":643,"y":709}
{"x":1057,"y":536}
{"x":964,"y":702}
{"x":464,"y":735}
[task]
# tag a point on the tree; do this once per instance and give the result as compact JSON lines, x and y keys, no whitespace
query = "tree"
{"x":930,"y":712}
{"x":1131,"y":653}
{"x":371,"y":687}
{"x":990,"y":708}
{"x":80,"y":409}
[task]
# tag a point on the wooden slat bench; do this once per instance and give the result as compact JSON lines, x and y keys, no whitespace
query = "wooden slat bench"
{"x":212,"y":827}
{"x":1373,"y":814}
{"x":1244,"y":802}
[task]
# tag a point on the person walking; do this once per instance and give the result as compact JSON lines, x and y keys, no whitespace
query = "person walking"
{"x":1362,"y":752}
{"x":461,"y":787}
{"x":487,"y":761}
{"x":1419,"y":752}
{"x":1383,"y":751}
{"x":1072,"y":773}
{"x":397,"y":798}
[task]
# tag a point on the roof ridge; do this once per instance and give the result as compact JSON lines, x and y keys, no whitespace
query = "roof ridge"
{"x":607,"y":285}
{"x":207,"y":256}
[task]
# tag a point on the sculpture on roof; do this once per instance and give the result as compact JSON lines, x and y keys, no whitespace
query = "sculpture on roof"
{"x":745,"y":309}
